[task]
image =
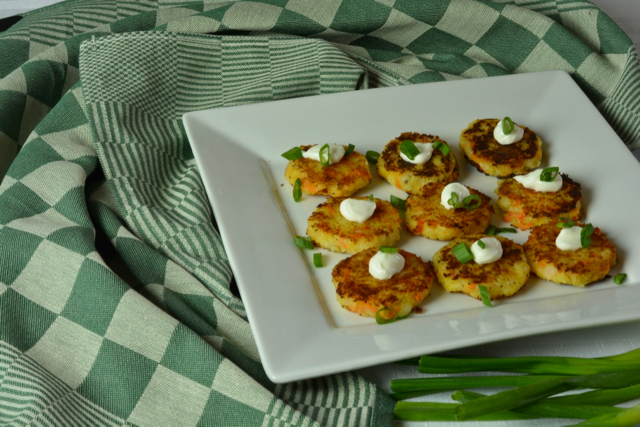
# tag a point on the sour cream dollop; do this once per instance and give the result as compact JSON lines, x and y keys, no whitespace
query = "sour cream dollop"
{"x":336,"y":153}
{"x":356,"y":210}
{"x":383,"y":265}
{"x":569,"y":239}
{"x":426,"y":150}
{"x":516,"y":134}
{"x":492,"y":251}
{"x":532,"y":182}
{"x":454,"y":187}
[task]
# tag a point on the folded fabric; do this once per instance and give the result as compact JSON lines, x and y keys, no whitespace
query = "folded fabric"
{"x":116,"y":299}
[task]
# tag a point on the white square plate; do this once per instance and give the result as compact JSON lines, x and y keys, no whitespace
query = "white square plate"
{"x":300,"y":329}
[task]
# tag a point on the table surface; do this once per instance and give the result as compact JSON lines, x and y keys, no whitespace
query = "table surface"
{"x":592,"y":342}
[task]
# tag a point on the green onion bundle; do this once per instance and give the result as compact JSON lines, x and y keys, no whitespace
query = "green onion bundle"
{"x":533,"y":394}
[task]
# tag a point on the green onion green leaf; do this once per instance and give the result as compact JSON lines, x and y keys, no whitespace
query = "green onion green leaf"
{"x":619,"y":278}
{"x":349,"y":150}
{"x":303,"y":242}
{"x":371,"y":197}
{"x":471,"y":202}
{"x":294,"y":154}
{"x":481,"y":244}
{"x":398,"y":203}
{"x":297,"y":190}
{"x":317,"y":260}
{"x":585,"y":235}
{"x":549,"y":174}
{"x":372,"y":156}
{"x":409,"y":149}
{"x":484,"y":294}
{"x":462,"y":253}
{"x":565,"y":223}
{"x":507,"y":125}
{"x":325,"y":155}
{"x":382,"y":320}
{"x":491,"y":230}
{"x":442,"y":147}
{"x":454,"y":200}
{"x":388,"y":249}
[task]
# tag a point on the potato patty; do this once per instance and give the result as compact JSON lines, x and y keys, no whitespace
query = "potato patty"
{"x":525,"y":208}
{"x":361,"y":293}
{"x":425,"y":215}
{"x":577,"y":268}
{"x":411,"y":177}
{"x":491,"y":158}
{"x":337,"y":180}
{"x":502,"y":278}
{"x":329,"y":229}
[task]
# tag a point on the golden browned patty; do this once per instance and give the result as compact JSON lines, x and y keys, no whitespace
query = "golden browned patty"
{"x":410,"y":177}
{"x":330,"y":230}
{"x":425,"y":215}
{"x":502,"y":278}
{"x":340,"y":179}
{"x":525,"y":208}
{"x":577,"y":268}
{"x":361,"y":293}
{"x":491,"y":158}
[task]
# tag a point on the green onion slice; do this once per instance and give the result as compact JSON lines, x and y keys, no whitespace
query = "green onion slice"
{"x":388,"y":249}
{"x":381,"y":320}
{"x":303,"y":242}
{"x":565,"y":223}
{"x":444,"y":148}
{"x":294,"y":154}
{"x":491,"y":230}
{"x":619,"y":278}
{"x":484,"y":294}
{"x":462,"y":252}
{"x":372,"y":156}
{"x":507,"y":125}
{"x":349,"y":150}
{"x":297,"y":190}
{"x":409,"y":149}
{"x":481,"y":244}
{"x":585,"y":235}
{"x":317,"y":260}
{"x":454,"y":200}
{"x":398,"y":203}
{"x":549,"y":174}
{"x":471,"y":202}
{"x":371,"y":197}
{"x":325,"y":155}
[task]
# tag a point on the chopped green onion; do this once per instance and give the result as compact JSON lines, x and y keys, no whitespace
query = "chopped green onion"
{"x":371,"y":197}
{"x":454,"y":200}
{"x":484,"y":294}
{"x":565,"y":223}
{"x":372,"y":156}
{"x":462,"y":252}
{"x":303,"y":242}
{"x":388,"y":249}
{"x":381,"y":320}
{"x":549,"y":174}
{"x":297,"y":190}
{"x":619,"y":278}
{"x":409,"y":149}
{"x":507,"y":125}
{"x":349,"y":150}
{"x":481,"y":244}
{"x":444,"y":148}
{"x":325,"y":155}
{"x":468,"y":202}
{"x":585,"y":235}
{"x":317,"y":260}
{"x":491,"y":230}
{"x":398,"y":203}
{"x":294,"y":154}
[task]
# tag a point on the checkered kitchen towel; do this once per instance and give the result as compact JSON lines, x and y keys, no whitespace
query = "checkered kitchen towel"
{"x":116,"y":302}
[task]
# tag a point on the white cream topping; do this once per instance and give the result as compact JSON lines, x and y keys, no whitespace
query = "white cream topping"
{"x":532,"y":182}
{"x":492,"y":251}
{"x":454,"y":187}
{"x":383,"y":265}
{"x":356,"y":210}
{"x":514,"y":136}
{"x":426,"y":150}
{"x":569,"y":239}
{"x":336,"y":153}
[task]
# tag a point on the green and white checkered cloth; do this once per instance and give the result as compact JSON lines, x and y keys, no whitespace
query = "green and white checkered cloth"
{"x":115,"y":290}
